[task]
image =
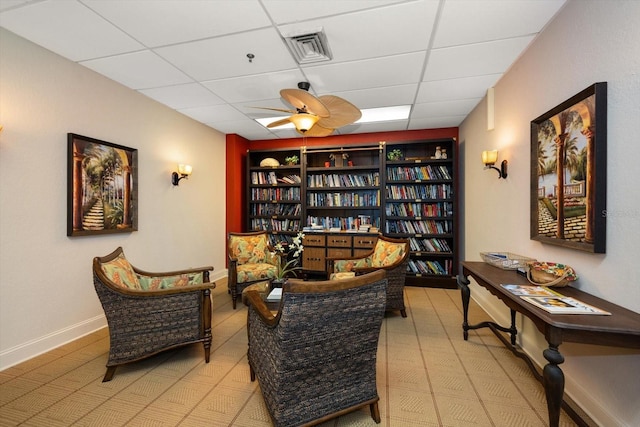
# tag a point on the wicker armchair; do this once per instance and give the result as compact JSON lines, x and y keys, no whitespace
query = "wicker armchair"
{"x":316,"y":359}
{"x":250,"y":261}
{"x":391,"y":255}
{"x":151,"y":312}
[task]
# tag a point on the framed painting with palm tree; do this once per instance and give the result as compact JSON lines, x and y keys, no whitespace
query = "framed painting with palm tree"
{"x":102,"y":189}
{"x":568,"y":172}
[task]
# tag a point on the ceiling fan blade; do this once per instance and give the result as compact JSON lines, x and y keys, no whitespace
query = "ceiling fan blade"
{"x":284,"y":110}
{"x":317,"y":131}
{"x":342,"y":112}
{"x":279,"y":123}
{"x":303,"y":100}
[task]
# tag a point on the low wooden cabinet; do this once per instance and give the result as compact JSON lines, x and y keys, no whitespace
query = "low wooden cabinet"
{"x":320,"y":246}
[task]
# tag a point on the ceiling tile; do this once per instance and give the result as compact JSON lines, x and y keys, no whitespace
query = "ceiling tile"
{"x":387,"y":96}
{"x":213,"y":114}
{"x":183,"y":96}
{"x":281,"y":11}
{"x":176,"y":21}
{"x":412,"y":23}
{"x":365,"y":74}
{"x":443,"y":109}
{"x":464,"y":21}
{"x":474,"y":59}
{"x":255,"y":87}
{"x":436,"y":122}
{"x":226,"y":57}
{"x":68,"y":28}
{"x":465,"y":87}
{"x":138,"y":70}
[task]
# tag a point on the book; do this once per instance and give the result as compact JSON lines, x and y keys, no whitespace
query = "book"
{"x":530,"y":290}
{"x":563,"y":305}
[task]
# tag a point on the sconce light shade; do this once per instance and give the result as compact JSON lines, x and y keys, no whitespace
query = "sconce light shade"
{"x":303,"y":121}
{"x":489,"y":158}
{"x":183,"y":172}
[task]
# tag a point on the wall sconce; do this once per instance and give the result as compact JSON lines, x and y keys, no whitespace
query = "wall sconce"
{"x":304,"y":121}
{"x":183,"y":172}
{"x":489,"y":158}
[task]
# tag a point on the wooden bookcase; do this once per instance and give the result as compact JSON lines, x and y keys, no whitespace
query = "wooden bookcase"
{"x":413,"y":196}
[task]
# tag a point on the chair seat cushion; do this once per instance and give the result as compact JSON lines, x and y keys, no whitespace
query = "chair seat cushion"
{"x":169,"y":282}
{"x":253,"y":272}
{"x":342,"y":275}
{"x":351,"y":264}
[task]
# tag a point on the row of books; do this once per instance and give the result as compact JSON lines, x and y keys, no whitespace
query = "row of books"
{"x":429,"y":245}
{"x":275,"y":224}
{"x":412,"y":173}
{"x":271,"y":178}
{"x":419,"y":209}
{"x":430,"y":191}
{"x":290,"y":209}
{"x":419,"y":227}
{"x":344,"y":180}
{"x":362,"y":199}
{"x":343,"y":223}
{"x":419,"y":266}
{"x":292,"y":193}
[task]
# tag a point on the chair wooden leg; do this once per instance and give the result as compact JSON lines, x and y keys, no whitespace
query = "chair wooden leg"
{"x":403,"y":312}
{"x":375,"y":412}
{"x":252,"y":373}
{"x":109,"y":375}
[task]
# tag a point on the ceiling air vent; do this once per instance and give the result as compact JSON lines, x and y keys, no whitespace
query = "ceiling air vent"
{"x":309,"y":47}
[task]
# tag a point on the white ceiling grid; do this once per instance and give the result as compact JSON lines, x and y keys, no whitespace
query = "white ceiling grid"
{"x":439,"y":56}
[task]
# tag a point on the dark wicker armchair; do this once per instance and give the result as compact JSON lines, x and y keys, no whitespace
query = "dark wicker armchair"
{"x":250,"y":261}
{"x":151,"y":312}
{"x":316,"y":359}
{"x":391,"y":255}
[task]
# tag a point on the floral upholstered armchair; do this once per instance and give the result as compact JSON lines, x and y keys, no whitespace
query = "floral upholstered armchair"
{"x":151,"y":312}
{"x":391,"y":255}
{"x":250,"y":260}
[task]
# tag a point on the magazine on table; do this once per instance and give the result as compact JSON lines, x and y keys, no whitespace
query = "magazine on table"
{"x":564,"y":305}
{"x":552,"y":301}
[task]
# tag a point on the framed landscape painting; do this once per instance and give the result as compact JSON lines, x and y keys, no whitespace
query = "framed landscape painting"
{"x":568,"y":172}
{"x":102,"y":189}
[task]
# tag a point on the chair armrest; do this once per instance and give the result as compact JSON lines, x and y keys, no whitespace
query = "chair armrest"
{"x":253,"y":299}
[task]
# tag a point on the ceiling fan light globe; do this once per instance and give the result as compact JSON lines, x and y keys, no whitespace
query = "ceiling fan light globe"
{"x":303,"y":121}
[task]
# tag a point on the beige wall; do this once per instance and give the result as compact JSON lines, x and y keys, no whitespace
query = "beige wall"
{"x":588,"y":42}
{"x":46,"y":289}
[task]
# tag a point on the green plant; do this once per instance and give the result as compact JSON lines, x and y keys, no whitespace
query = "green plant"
{"x":291,"y":160}
{"x":295,"y":249}
{"x":394,"y":154}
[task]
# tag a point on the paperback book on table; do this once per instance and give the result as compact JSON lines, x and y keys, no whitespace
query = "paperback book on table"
{"x":552,"y":301}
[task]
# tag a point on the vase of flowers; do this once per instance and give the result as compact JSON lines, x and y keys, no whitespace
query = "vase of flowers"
{"x":288,"y":259}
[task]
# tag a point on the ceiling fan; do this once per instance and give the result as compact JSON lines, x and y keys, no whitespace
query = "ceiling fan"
{"x":315,"y":116}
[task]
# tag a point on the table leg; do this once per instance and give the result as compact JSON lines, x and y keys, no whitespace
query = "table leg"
{"x":553,"y":380}
{"x":463,"y":284}
{"x":513,"y":331}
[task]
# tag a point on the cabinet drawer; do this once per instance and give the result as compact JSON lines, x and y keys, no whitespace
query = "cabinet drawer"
{"x":339,"y":241}
{"x":313,"y":259}
{"x":364,"y":241}
{"x":339,"y":252}
{"x":361,"y":252}
{"x":313,"y":240}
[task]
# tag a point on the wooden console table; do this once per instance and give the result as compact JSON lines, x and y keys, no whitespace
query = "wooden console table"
{"x":621,"y":329}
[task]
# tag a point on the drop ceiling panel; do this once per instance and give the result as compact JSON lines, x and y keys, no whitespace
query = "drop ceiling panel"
{"x":380,"y":96}
{"x":255,"y":87}
{"x":138,"y":70}
{"x":474,"y":59}
{"x":371,"y":73}
{"x":410,"y":22}
{"x":284,"y":11}
{"x":436,"y":122}
{"x":211,"y":114}
{"x":443,"y":109}
{"x":225,"y":57}
{"x":183,"y":96}
{"x":464,"y":21}
{"x":177,"y":21}
{"x":68,"y":28}
{"x":461,"y":88}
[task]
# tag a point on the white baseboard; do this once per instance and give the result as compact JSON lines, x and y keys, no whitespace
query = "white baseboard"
{"x":35,"y":347}
{"x":591,"y":407}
